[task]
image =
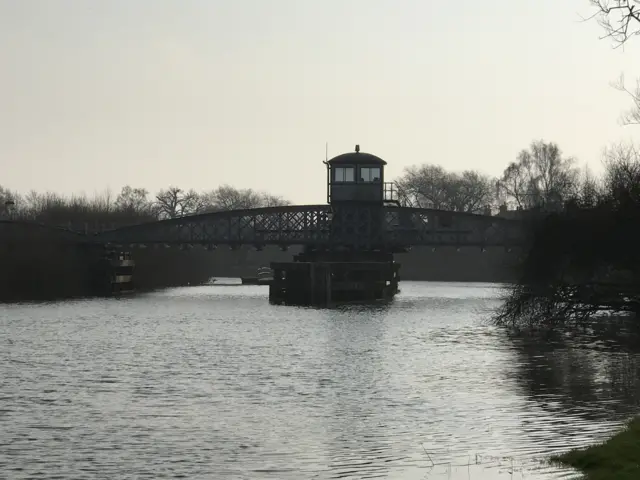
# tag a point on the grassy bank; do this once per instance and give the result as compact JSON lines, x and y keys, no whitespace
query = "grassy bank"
{"x":618,"y":458}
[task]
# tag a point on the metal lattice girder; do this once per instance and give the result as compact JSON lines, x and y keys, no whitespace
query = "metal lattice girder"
{"x":356,"y":226}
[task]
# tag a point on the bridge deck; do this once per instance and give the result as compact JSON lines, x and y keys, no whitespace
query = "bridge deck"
{"x":321,"y":226}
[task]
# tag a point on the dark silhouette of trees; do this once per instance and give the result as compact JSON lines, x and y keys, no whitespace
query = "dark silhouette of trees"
{"x":430,"y":186}
{"x":621,"y":182}
{"x":131,"y":205}
{"x":129,"y":200}
{"x":583,"y":260}
{"x":540,"y":177}
{"x":227,"y":197}
{"x":175,"y":202}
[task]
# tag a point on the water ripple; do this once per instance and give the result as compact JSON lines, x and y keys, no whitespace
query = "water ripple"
{"x":212,"y":382}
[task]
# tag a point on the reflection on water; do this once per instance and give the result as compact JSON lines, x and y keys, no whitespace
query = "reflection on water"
{"x":213,"y":382}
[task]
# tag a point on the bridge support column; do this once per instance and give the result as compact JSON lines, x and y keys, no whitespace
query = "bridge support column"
{"x":330,"y":280}
{"x":114,"y":273}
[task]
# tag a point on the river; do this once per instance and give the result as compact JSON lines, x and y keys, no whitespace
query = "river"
{"x":213,"y":382}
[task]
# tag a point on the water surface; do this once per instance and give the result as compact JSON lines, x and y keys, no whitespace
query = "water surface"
{"x":213,"y":382}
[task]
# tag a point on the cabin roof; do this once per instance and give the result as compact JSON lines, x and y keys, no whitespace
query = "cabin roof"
{"x":356,"y":158}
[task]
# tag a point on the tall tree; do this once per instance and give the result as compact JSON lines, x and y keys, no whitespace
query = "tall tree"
{"x":175,"y":202}
{"x":473,"y":192}
{"x":424,"y":186}
{"x":540,"y":177}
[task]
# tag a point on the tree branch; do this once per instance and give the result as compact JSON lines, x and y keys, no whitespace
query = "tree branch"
{"x":620,"y":19}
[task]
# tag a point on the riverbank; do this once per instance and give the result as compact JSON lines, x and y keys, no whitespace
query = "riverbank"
{"x":617,"y":458}
{"x":46,"y":268}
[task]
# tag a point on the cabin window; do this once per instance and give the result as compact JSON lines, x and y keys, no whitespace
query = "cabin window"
{"x":370,"y":174}
{"x":344,"y":174}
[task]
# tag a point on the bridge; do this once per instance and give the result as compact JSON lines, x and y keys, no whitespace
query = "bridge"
{"x":324,"y":227}
{"x":394,"y":228}
{"x":348,"y":243}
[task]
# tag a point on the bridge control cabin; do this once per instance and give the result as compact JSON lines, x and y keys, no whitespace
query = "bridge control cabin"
{"x":358,"y":177}
{"x":343,"y":270}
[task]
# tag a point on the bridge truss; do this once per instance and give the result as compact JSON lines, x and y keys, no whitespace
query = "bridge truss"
{"x":358,"y":227}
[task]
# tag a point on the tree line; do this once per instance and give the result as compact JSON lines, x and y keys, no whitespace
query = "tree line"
{"x":540,"y":176}
{"x":131,"y":205}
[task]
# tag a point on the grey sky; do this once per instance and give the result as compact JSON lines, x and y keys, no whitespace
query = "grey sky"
{"x":97,"y":94}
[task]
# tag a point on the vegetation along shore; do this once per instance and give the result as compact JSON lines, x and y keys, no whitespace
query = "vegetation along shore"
{"x":617,"y":458}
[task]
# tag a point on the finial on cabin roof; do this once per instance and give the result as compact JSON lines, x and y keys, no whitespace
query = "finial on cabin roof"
{"x":357,"y":148}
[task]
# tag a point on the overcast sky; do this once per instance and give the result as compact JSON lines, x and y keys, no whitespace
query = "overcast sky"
{"x":197,"y":93}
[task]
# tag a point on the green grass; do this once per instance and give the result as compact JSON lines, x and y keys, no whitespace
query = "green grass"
{"x":618,"y":458}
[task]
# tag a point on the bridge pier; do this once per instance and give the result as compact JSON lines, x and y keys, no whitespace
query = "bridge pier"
{"x":114,"y":273}
{"x":331,"y":279}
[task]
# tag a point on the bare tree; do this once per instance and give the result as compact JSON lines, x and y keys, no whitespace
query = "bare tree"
{"x":132,"y":205}
{"x":133,"y":200}
{"x":269,"y":200}
{"x":590,"y":189}
{"x":632,"y":116}
{"x":104,"y":201}
{"x":619,"y":18}
{"x":622,"y":173}
{"x":540,"y":177}
{"x":193,"y":203}
{"x":472,"y":192}
{"x":175,"y":202}
{"x":513,"y":186}
{"x":424,"y":186}
{"x":34,"y":204}
{"x":431,"y":186}
{"x":169,"y":202}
